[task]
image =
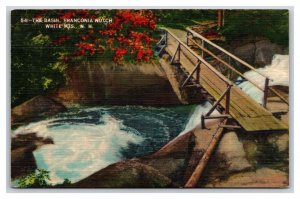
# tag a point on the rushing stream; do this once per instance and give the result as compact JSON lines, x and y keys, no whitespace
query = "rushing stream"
{"x":89,"y":139}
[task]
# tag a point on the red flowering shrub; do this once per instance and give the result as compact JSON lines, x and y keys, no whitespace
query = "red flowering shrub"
{"x":130,"y":35}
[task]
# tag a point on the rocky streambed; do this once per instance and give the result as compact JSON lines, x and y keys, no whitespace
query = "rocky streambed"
{"x":255,"y":161}
{"x":240,"y":159}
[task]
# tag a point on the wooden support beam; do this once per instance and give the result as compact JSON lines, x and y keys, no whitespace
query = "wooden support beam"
{"x":220,"y":18}
{"x":217,"y":102}
{"x":193,"y":180}
{"x":159,"y":52}
{"x":190,"y":76}
{"x":230,"y":126}
{"x":193,"y":85}
{"x":217,"y":116}
{"x":279,"y":95}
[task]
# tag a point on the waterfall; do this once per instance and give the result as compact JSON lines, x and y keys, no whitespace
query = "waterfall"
{"x":278,"y":71}
{"x":195,"y":118}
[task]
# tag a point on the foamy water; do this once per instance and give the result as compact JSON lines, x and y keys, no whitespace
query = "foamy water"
{"x":195,"y":118}
{"x":89,"y":139}
{"x":74,"y":155}
{"x":278,"y":71}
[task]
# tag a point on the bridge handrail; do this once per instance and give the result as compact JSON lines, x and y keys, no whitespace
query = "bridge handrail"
{"x":199,"y":57}
{"x":226,"y":52}
{"x":226,"y":64}
{"x":266,"y":88}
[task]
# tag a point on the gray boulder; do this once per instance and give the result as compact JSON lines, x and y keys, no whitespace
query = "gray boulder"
{"x":246,"y":53}
{"x":233,"y":152}
{"x":126,"y":174}
{"x":35,"y":108}
{"x":257,"y":53}
{"x":22,"y":147}
{"x":261,"y":178}
{"x":265,"y":50}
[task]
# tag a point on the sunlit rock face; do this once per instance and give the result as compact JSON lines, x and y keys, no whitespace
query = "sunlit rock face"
{"x":111,"y":84}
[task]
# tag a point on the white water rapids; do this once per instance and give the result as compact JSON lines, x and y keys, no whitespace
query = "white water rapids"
{"x":278,"y":71}
{"x":75,"y":156}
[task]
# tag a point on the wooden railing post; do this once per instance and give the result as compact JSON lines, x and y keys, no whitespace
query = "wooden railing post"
{"x":228,"y":99}
{"x":187,"y":38}
{"x":179,"y":50}
{"x":202,"y":122}
{"x":229,"y":71}
{"x":202,"y":52}
{"x":198,"y":72}
{"x":266,"y":89}
{"x":166,"y":37}
{"x":175,"y":53}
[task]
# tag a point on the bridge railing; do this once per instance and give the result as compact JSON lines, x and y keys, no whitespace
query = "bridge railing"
{"x":204,"y":50}
{"x":199,"y":60}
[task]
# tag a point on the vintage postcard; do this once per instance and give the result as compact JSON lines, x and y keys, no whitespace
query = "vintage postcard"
{"x":161,"y":98}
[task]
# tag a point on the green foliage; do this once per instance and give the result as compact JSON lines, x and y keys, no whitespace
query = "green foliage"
{"x":41,"y":40}
{"x":35,"y":69}
{"x":272,"y":24}
{"x":39,"y":179}
{"x":181,"y":18}
{"x":66,"y":182}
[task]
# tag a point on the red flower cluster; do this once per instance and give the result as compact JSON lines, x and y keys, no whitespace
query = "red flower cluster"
{"x":119,"y":54}
{"x":143,"y":18}
{"x":128,"y":36}
{"x":130,"y":30}
{"x":85,"y":48}
{"x":110,"y":32}
{"x":68,"y":15}
{"x":144,"y":54}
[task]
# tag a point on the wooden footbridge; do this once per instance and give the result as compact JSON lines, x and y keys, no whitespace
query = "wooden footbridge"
{"x":191,"y":52}
{"x":195,"y":54}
